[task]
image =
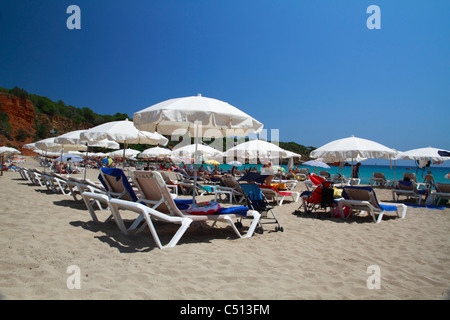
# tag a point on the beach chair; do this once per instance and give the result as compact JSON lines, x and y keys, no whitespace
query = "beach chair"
{"x":154,"y":190}
{"x":257,"y":201}
{"x":117,"y":186}
{"x":325,"y":174}
{"x":380,"y":180}
{"x":364,"y":199}
{"x":288,"y":183}
{"x":170,"y":184}
{"x":85,"y":185}
{"x":409,"y":189}
{"x":412,"y":177}
{"x":230,"y":188}
{"x":320,"y":197}
{"x":301,"y":175}
{"x":442,"y":191}
{"x":272,"y":193}
{"x":58,"y":183}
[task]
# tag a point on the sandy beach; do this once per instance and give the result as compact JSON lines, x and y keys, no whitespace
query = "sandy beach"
{"x":43,"y":234}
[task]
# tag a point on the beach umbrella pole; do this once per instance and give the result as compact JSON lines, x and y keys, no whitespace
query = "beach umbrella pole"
{"x":195,"y":160}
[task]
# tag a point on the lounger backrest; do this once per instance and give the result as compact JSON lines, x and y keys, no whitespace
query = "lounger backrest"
{"x":114,"y":180}
{"x":152,"y":187}
{"x":231,"y":182}
{"x":443,"y":187}
{"x":405,"y":185}
{"x":361,"y":194}
{"x":324,"y":173}
{"x":379,"y":175}
{"x":410,"y":175}
{"x":164,"y":176}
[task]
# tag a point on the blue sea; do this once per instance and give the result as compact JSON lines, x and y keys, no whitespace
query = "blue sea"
{"x":366,"y":171}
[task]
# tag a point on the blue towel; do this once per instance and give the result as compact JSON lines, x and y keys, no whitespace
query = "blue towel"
{"x":241,"y":210}
{"x":183,"y":204}
{"x":118,"y":174}
{"x":387,"y":207}
{"x":425,"y":206}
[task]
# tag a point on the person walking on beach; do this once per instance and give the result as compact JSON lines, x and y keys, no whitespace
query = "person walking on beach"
{"x":355,"y":172}
{"x":429,"y":180}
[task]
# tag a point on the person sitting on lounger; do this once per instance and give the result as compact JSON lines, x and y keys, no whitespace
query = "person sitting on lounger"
{"x":267,"y":169}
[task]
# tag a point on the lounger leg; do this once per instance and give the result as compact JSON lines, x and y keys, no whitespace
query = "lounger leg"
{"x":117,"y":218}
{"x":403,"y":211}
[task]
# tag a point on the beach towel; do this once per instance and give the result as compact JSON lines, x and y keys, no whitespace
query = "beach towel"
{"x":118,"y":174}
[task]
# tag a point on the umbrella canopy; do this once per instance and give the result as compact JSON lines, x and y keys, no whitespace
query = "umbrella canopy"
{"x":155,"y":152}
{"x":254,"y":149}
{"x":212,"y":162}
{"x":8,"y":150}
{"x":235,"y":163}
{"x":51,"y":144}
{"x":352,"y":147}
{"x":127,"y":153}
{"x":189,"y":151}
{"x":123,"y":131}
{"x":176,"y":116}
{"x":425,"y":154}
{"x":278,"y":168}
{"x":70,"y":158}
{"x":30,"y":146}
{"x":316,"y":163}
{"x":74,"y":138}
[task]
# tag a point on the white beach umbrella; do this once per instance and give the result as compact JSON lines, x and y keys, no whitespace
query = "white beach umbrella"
{"x":123,"y":131}
{"x":352,"y":148}
{"x":127,"y":153}
{"x":51,"y":144}
{"x":189,"y":151}
{"x":7,"y":150}
{"x":30,"y":146}
{"x":155,"y":152}
{"x":200,"y":116}
{"x":169,"y":116}
{"x":316,"y":163}
{"x":425,"y":154}
{"x":74,"y":138}
{"x":255,"y":149}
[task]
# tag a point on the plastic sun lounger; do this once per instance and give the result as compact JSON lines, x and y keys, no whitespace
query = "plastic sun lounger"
{"x":442,"y":191}
{"x":116,"y":185}
{"x":153,"y":189}
{"x":273,"y":193}
{"x":364,"y":199}
{"x":380,"y":179}
{"x":408,"y":189}
{"x":232,"y":189}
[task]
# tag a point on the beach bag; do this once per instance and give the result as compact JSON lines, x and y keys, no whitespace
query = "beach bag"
{"x":431,"y":200}
{"x":203,"y":208}
{"x":337,"y":213}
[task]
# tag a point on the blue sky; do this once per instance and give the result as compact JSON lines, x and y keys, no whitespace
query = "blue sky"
{"x":311,"y":69}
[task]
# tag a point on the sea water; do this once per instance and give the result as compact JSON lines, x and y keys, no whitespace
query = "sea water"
{"x":366,"y":171}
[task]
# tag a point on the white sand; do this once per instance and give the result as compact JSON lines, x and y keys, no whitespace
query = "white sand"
{"x":43,"y":233}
